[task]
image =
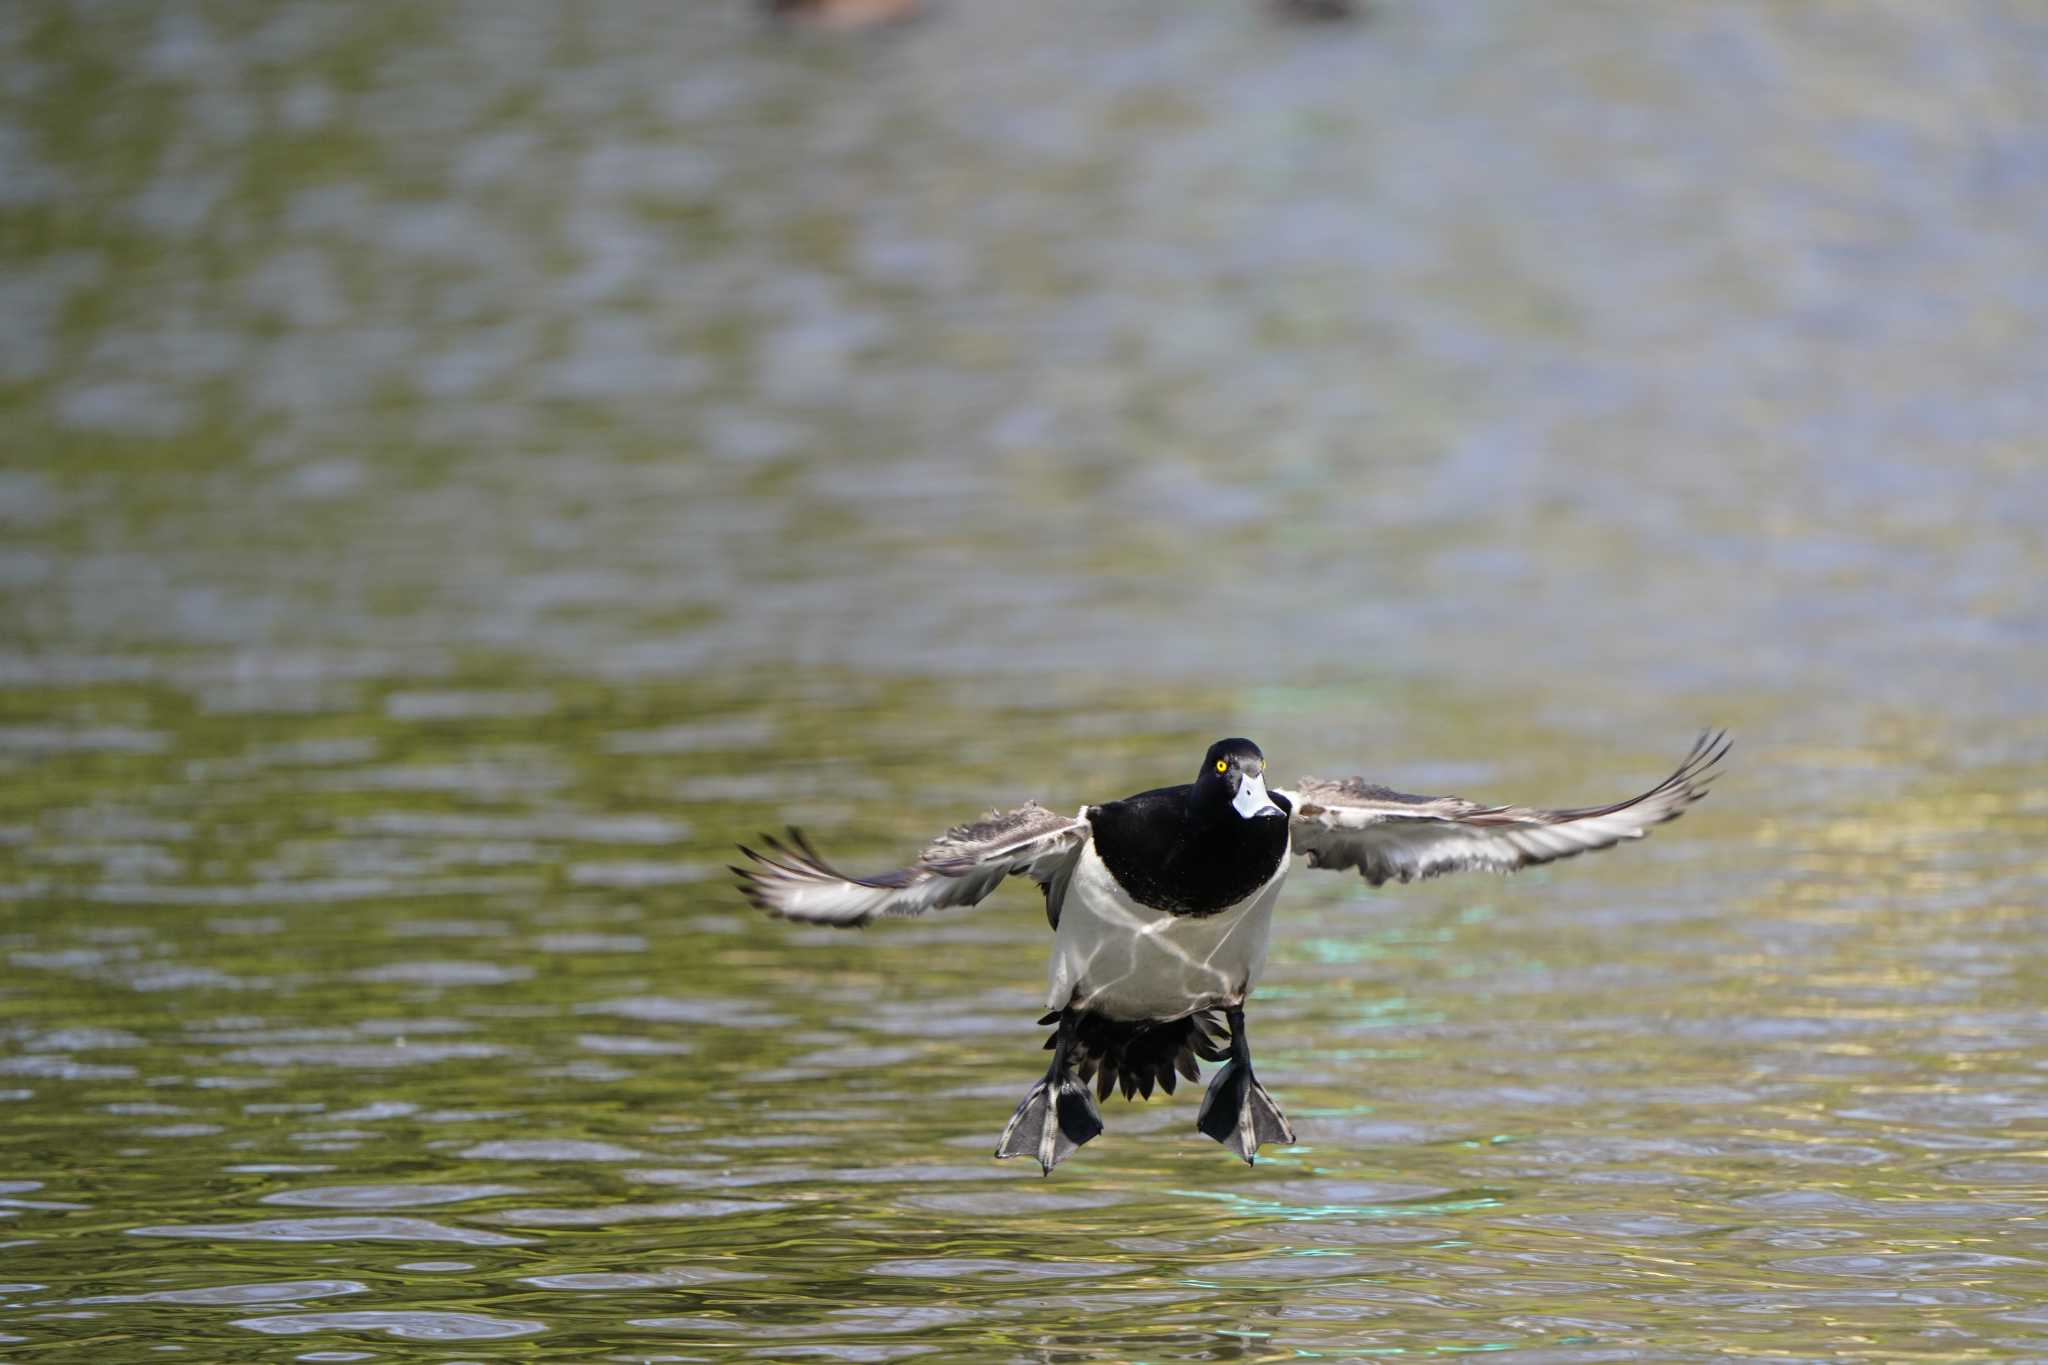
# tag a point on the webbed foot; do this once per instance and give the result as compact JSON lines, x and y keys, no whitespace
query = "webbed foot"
{"x":1237,"y":1111}
{"x":1052,"y":1123}
{"x":1057,"y":1116}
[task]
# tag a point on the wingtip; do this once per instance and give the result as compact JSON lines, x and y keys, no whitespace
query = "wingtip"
{"x":1719,"y":748}
{"x":1695,"y":776}
{"x":1709,"y":749}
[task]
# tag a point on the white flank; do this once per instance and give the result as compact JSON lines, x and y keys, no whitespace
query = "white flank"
{"x":1128,"y":961}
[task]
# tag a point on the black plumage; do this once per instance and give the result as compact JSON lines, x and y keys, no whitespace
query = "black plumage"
{"x":1136,"y":1055}
{"x":1183,"y":849}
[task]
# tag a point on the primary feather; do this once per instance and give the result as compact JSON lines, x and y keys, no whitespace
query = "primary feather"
{"x":1393,"y":836}
{"x":960,"y":867}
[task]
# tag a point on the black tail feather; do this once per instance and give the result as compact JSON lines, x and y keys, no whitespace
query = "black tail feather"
{"x":1135,"y":1056}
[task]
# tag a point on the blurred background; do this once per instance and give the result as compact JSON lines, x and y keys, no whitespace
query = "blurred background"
{"x":466,"y":465}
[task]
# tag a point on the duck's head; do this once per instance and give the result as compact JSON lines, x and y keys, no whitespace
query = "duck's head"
{"x":1233,"y":780}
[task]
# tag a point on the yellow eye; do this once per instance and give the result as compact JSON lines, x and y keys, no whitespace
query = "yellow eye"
{"x":1222,"y":765}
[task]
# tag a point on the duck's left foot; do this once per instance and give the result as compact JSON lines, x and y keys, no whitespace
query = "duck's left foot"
{"x":1237,"y":1111}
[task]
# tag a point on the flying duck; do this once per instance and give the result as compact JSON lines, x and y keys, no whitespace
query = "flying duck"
{"x":1161,"y":905}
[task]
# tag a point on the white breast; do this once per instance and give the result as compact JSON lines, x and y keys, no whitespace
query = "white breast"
{"x":1128,"y":961}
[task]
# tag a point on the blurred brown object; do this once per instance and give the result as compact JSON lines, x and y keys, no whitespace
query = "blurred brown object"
{"x":1315,"y":11}
{"x":843,"y":14}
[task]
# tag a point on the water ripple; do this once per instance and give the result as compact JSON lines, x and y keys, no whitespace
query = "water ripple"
{"x":994,"y":1268}
{"x":363,"y":1056}
{"x":331,"y":1230}
{"x":387,"y":1196}
{"x":728,"y":1013}
{"x":279,"y":1291}
{"x":445,"y":973}
{"x":412,"y":1325}
{"x":609,"y":1214}
{"x":551,"y":1149}
{"x":669,"y":1277}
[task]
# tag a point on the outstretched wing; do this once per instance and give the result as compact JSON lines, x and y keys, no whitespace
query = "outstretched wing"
{"x":791,"y":881}
{"x":1389,"y":835}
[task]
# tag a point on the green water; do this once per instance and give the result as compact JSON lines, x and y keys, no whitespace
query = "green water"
{"x":465,"y":468}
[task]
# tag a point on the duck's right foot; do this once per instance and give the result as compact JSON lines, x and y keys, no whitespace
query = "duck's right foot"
{"x":1056,"y":1118}
{"x":1058,"y":1115}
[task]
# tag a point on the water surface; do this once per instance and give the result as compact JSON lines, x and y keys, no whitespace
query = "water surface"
{"x":467,"y":467}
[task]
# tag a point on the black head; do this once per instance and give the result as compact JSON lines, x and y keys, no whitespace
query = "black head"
{"x":1233,"y":782}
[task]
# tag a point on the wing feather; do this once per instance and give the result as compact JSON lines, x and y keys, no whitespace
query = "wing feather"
{"x":1393,"y":836}
{"x":793,"y":881}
